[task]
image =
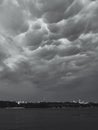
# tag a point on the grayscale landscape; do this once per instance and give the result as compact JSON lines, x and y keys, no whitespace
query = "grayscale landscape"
{"x":48,"y":64}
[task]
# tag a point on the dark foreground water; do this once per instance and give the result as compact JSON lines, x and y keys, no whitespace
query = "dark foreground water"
{"x":49,"y":119}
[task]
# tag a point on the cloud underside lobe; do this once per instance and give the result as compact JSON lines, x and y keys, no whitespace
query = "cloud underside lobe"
{"x":49,"y":48}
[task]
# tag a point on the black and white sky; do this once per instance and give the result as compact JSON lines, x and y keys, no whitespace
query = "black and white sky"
{"x":49,"y":50}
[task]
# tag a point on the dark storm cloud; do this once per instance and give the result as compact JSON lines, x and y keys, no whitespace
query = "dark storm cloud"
{"x":48,"y":48}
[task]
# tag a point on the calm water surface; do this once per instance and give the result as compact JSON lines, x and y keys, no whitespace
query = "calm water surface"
{"x":49,"y":119}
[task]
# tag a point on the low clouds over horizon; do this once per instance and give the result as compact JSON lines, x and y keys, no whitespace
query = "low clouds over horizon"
{"x":49,"y":49}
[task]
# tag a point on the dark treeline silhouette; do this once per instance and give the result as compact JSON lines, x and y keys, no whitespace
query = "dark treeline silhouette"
{"x":13,"y":104}
{"x":4,"y":104}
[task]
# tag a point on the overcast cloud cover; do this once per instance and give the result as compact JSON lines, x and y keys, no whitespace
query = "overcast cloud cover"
{"x":49,"y":50}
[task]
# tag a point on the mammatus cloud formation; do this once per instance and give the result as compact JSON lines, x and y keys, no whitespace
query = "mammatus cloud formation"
{"x":49,"y":49}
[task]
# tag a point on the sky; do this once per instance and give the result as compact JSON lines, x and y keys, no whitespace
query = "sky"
{"x":49,"y":50}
